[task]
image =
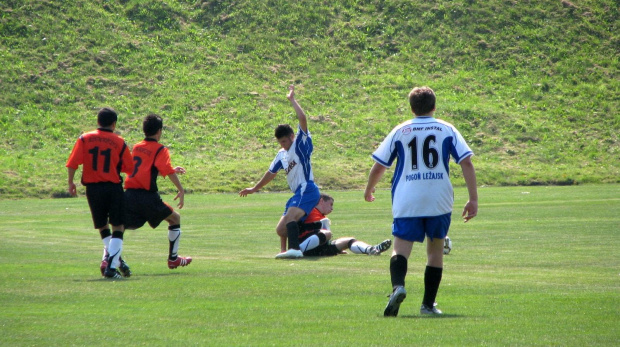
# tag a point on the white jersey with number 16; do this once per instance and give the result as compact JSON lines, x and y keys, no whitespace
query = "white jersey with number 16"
{"x":421,"y":184}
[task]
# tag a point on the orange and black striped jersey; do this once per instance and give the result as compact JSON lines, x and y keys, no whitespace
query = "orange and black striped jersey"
{"x":103,"y":155}
{"x":151,"y":159}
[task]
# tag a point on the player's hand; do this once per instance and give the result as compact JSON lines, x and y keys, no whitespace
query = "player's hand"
{"x":181,"y":197}
{"x":291,"y":92}
{"x":179,"y":170}
{"x":470,"y":211}
{"x":72,"y":189}
{"x":368,"y":195}
{"x":246,"y":191}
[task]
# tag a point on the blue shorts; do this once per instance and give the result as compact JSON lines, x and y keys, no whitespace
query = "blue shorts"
{"x":305,"y":200}
{"x":414,"y":229}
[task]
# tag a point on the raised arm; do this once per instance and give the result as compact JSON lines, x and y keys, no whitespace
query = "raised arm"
{"x":267,"y":177}
{"x":301,"y":116}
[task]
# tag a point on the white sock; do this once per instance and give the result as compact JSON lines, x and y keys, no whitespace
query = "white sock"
{"x":114,"y":250}
{"x":326,"y":224}
{"x":106,"y":245}
{"x":359,"y":247}
{"x":174,"y":236}
{"x":310,"y":243}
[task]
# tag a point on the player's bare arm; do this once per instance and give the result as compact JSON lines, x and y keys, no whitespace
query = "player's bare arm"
{"x":376,"y":172}
{"x":301,"y":116}
{"x":267,"y":177}
{"x":181,"y":192}
{"x":469,"y":174}
{"x":72,"y":187}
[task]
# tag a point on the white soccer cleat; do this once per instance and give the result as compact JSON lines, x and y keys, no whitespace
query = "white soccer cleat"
{"x":430,"y":311}
{"x":396,"y":298}
{"x":380,"y":248}
{"x":290,"y":254}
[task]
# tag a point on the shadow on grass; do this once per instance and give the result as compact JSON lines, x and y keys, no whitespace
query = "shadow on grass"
{"x":163,"y":274}
{"x":302,"y":259}
{"x":312,"y":258}
{"x":443,"y":316}
{"x":133,"y":277}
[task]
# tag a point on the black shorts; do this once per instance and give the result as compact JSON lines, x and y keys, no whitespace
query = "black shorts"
{"x":105,"y":200}
{"x":325,"y":250}
{"x":142,"y":206}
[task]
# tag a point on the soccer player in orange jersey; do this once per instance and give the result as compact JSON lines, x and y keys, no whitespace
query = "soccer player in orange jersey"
{"x":104,"y":155}
{"x":315,"y":236}
{"x":142,"y":201}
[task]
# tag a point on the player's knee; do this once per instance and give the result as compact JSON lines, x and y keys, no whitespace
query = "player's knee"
{"x":174,"y":218}
{"x":293,"y":214}
{"x":281,"y":230}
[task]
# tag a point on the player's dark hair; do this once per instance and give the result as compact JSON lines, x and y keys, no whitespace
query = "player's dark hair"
{"x":151,"y":124}
{"x":326,"y":197}
{"x":106,"y":117}
{"x":422,"y":100}
{"x":283,"y":130}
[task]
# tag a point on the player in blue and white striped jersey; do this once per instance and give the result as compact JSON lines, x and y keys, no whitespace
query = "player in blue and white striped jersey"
{"x":422,"y":195}
{"x":294,"y":159}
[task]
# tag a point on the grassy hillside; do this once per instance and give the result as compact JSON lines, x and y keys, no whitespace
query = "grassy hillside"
{"x":532,"y":85}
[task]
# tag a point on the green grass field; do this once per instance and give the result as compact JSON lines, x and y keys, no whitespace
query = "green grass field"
{"x":539,"y":266}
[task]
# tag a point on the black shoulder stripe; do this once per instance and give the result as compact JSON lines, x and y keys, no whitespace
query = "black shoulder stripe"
{"x":158,"y":150}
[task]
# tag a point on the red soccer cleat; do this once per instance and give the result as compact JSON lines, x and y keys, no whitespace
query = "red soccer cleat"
{"x":180,"y":261}
{"x":103,"y":266}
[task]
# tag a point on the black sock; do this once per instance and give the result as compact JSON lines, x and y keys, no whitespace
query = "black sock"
{"x":432,"y":278}
{"x":105,"y":233}
{"x":350,"y":243}
{"x":117,"y":234}
{"x":292,"y":232}
{"x":322,"y":238}
{"x":398,"y":270}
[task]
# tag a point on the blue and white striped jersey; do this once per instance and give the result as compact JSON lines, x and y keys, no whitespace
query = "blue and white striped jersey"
{"x":296,"y":162}
{"x":421,"y":184}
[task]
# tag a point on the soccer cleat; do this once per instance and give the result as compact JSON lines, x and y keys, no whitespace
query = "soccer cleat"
{"x":103,"y":266}
{"x":180,"y":261}
{"x":398,"y":295}
{"x":380,"y":248}
{"x":432,"y":311}
{"x":124,"y":269}
{"x":112,"y":274}
{"x":290,"y":254}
